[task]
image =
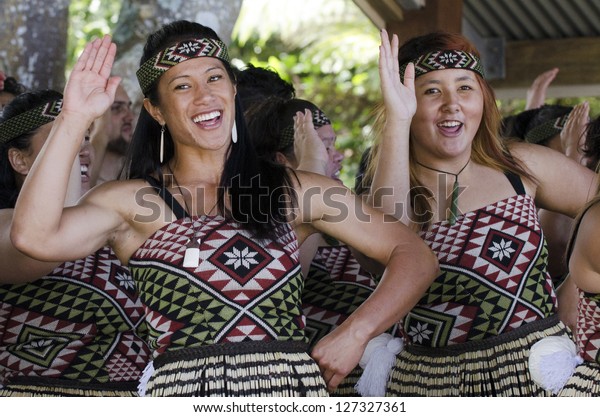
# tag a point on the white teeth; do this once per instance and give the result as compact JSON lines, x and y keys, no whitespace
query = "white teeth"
{"x":207,"y":116}
{"x":450,"y":124}
{"x":84,"y":169}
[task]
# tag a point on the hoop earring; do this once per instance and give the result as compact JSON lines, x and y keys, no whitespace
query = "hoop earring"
{"x":234,"y":136}
{"x":162,"y":144}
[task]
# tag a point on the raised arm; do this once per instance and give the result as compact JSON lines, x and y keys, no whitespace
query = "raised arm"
{"x":311,"y":156}
{"x":41,"y":228}
{"x":536,"y":93}
{"x":572,"y":136}
{"x":391,"y":183}
{"x":309,"y":149}
{"x":410,"y":268}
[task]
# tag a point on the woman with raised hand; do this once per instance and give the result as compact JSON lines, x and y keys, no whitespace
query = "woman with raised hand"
{"x":441,"y":168}
{"x":210,"y":232}
{"x":298,"y":134}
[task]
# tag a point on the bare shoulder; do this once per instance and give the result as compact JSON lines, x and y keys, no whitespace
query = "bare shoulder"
{"x":584,"y":263}
{"x":556,"y":173}
{"x":133,"y":205}
{"x":590,"y":222}
{"x":587,"y":243}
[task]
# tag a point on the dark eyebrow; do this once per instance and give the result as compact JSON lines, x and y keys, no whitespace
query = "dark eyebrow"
{"x":178,"y":77}
{"x":215,"y":68}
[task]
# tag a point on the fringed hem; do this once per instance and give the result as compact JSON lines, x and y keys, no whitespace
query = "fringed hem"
{"x":264,"y":373}
{"x":347,"y":387}
{"x":54,"y":387}
{"x":585,"y":382}
{"x":499,"y":369}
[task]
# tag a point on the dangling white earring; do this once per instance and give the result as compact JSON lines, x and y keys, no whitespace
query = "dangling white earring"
{"x":162,"y":143}
{"x":234,"y":133}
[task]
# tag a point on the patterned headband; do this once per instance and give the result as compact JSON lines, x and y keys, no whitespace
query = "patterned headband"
{"x":29,"y":120}
{"x":153,"y":68}
{"x":545,"y":131}
{"x":287,"y":134}
{"x":447,"y":59}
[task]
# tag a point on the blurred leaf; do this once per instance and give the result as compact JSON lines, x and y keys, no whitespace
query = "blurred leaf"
{"x":328,"y":50}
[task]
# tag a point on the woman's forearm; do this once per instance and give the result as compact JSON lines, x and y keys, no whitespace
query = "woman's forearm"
{"x":410,"y":271}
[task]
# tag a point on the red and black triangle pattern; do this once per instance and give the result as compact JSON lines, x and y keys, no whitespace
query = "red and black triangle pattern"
{"x":334,"y":287}
{"x":81,"y":322}
{"x":588,"y":326}
{"x":242,"y":289}
{"x":494,"y":276}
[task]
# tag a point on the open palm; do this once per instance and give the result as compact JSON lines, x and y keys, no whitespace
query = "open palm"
{"x":90,"y":89}
{"x":399,"y":98}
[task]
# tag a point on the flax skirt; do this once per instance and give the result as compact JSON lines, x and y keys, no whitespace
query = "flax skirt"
{"x":585,"y":382}
{"x":54,"y":387}
{"x":346,"y":387}
{"x":246,"y":369}
{"x":497,"y":366}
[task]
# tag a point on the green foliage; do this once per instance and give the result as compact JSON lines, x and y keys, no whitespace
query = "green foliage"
{"x":328,"y":51}
{"x":89,"y":19}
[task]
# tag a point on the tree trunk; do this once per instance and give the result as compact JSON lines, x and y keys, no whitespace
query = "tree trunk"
{"x":34,"y":41}
{"x":139,"y":18}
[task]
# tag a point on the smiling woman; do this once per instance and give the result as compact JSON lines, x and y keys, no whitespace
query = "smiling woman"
{"x":473,"y":199}
{"x":210,"y":231}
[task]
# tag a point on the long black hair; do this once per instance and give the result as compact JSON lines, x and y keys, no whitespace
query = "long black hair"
{"x":9,"y":189}
{"x":265,"y":123}
{"x":260,"y":193}
{"x":12,"y":86}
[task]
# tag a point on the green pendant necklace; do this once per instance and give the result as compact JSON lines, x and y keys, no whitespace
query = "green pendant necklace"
{"x":455,"y":192}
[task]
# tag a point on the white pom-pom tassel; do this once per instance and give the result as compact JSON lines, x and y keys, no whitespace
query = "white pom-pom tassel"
{"x":377,"y":361}
{"x":552,"y":361}
{"x":146,"y":375}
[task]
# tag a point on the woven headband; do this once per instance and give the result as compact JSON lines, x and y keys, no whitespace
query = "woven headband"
{"x":447,"y":59}
{"x":287,"y":134}
{"x":545,"y":131}
{"x":29,"y":120}
{"x":153,"y":68}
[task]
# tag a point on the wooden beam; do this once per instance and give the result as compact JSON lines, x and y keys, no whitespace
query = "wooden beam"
{"x":411,"y":4}
{"x":575,"y":58}
{"x":379,"y":12}
{"x":436,"y":15}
